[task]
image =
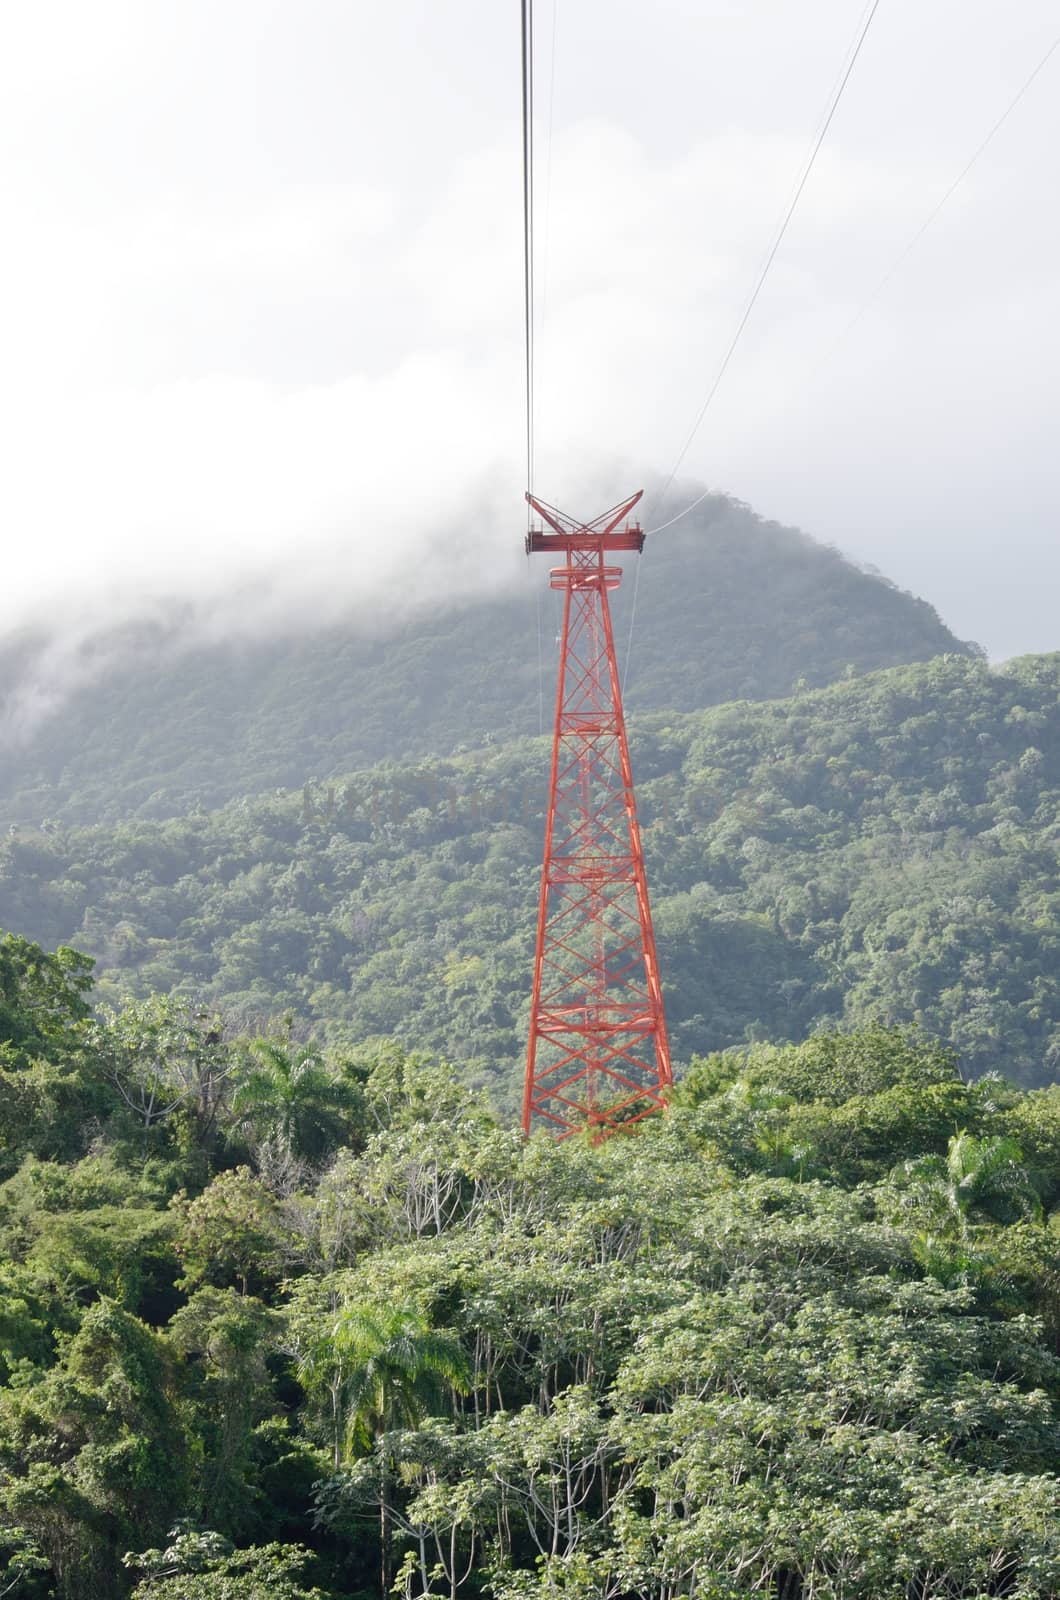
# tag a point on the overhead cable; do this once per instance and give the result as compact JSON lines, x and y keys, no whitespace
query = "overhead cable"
{"x":908,"y":249}
{"x":540,"y":321}
{"x":528,"y":227}
{"x":763,"y":274}
{"x":632,"y":624}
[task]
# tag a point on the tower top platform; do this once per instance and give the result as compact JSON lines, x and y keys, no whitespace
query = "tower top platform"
{"x":604,"y":533}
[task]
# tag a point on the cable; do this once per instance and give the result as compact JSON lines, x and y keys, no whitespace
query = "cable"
{"x":527,"y":43}
{"x":540,"y":669}
{"x":950,"y":192}
{"x":542,"y":319}
{"x":629,"y":641}
{"x":907,"y":249}
{"x":837,"y":96}
{"x":528,"y":228}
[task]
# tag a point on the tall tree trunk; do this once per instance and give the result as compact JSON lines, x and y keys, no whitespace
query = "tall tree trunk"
{"x":385,"y":1574}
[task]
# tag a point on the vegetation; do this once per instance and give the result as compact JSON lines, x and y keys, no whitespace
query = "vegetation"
{"x":884,"y":849}
{"x":153,"y":721}
{"x":289,"y":1311}
{"x":800,"y":1337}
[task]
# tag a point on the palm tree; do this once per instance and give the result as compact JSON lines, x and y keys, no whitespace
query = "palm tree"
{"x":289,"y":1097}
{"x":987,"y":1177}
{"x":382,"y":1368}
{"x":976,"y":1180}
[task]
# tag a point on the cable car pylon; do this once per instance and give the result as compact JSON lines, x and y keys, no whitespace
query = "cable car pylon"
{"x":598,"y":1057}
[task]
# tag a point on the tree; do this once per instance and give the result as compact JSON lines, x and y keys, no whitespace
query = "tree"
{"x":987,"y":1178}
{"x":42,"y":997}
{"x":232,"y":1232}
{"x":23,"y":1570}
{"x":200,"y":1565}
{"x":978,"y":1180}
{"x":166,"y":1056}
{"x":379,"y":1369}
{"x":845,"y":1106}
{"x":228,"y":1339}
{"x":95,"y":1450}
{"x":289,"y":1097}
{"x":50,"y":1086}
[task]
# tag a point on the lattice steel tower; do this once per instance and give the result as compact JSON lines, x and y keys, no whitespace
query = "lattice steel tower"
{"x":598,"y":1055}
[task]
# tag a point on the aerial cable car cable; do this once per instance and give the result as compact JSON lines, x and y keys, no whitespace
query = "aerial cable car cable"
{"x":542,"y":317}
{"x":632,"y":620}
{"x":908,"y":249}
{"x":527,"y":60}
{"x":557,"y":604}
{"x":837,"y":96}
{"x":833,"y":100}
{"x":540,"y":670}
{"x":527,"y":7}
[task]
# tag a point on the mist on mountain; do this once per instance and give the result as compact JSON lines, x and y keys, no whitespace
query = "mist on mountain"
{"x":265,"y":686}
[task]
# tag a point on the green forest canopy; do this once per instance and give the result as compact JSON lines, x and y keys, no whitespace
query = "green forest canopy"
{"x":296,"y":1323}
{"x":881,"y":849}
{"x":289,"y":1311}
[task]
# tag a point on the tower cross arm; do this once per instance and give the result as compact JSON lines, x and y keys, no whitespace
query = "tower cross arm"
{"x":602,"y":534}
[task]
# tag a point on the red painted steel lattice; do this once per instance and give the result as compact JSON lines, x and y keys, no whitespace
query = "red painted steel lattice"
{"x":598,"y":1055}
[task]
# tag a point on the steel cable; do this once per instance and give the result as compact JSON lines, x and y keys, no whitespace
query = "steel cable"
{"x":837,"y":96}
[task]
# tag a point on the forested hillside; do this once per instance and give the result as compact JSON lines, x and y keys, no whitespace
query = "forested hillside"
{"x":883,"y":848}
{"x":147,"y":722}
{"x":285,"y":1324}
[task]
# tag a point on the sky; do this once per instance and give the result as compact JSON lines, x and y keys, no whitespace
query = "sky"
{"x":261,"y":312}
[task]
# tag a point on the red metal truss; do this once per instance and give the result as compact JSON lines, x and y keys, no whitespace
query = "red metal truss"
{"x":598,"y":1055}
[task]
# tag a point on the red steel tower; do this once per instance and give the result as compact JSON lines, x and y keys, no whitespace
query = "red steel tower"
{"x":598,"y":1055}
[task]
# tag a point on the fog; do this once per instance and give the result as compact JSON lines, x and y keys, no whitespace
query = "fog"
{"x":261,"y":300}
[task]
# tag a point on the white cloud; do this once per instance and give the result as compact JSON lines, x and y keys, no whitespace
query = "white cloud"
{"x":263,"y":312}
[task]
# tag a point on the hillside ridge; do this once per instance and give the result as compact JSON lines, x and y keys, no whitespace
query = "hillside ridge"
{"x":729,"y":606}
{"x":879,"y":849}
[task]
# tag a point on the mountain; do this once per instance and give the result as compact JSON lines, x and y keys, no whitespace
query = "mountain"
{"x":150,"y":720}
{"x":883,"y":848}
